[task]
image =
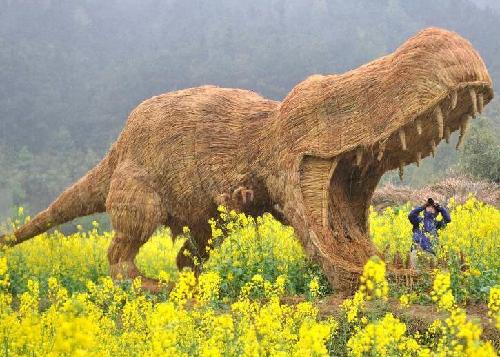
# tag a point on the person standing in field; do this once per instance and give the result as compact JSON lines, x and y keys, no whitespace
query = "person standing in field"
{"x":425,"y":229}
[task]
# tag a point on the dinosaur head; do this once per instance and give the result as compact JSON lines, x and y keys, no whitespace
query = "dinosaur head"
{"x":395,"y":109}
{"x":384,"y":115}
{"x":428,"y":88}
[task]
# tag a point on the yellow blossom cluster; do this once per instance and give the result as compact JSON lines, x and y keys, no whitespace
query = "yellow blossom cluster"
{"x":243,"y":247}
{"x":108,"y":320}
{"x":373,"y":285}
{"x":468,"y":247}
{"x":455,"y":335}
{"x":56,"y":298}
{"x":386,"y":337}
{"x":79,"y":257}
{"x":494,"y":305}
{"x":314,"y":287}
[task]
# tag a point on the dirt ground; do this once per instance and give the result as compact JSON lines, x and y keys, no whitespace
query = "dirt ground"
{"x":417,"y":317}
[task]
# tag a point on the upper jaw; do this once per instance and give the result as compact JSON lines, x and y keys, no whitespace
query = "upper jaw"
{"x":404,"y":104}
{"x":419,"y":136}
{"x":392,"y":111}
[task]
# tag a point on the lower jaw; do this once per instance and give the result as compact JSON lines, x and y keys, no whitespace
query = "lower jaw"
{"x":337,"y":221}
{"x":341,"y":240}
{"x":347,"y":243}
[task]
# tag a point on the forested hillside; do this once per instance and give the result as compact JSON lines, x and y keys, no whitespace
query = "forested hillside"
{"x":71,"y":71}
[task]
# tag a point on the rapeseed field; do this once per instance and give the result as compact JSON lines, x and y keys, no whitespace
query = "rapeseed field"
{"x":56,"y":298}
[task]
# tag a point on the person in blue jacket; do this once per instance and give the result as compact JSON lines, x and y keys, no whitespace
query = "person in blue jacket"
{"x":428,"y":225}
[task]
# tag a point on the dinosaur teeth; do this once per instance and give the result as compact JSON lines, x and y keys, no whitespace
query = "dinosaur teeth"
{"x":480,"y":103}
{"x":402,"y":138}
{"x":433,"y":148}
{"x":473,"y":98}
{"x":454,"y":98}
{"x":381,"y":150}
{"x":438,"y":115}
{"x":401,"y":169}
{"x":380,"y":155}
{"x":447,"y":134}
{"x":419,"y":157}
{"x":418,"y":123}
{"x":464,"y":125}
{"x":359,"y":156}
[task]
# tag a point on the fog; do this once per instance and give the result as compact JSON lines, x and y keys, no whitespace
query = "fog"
{"x":71,"y":71}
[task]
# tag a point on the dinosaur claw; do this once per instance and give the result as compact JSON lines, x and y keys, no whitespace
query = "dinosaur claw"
{"x":239,"y":197}
{"x":244,"y":194}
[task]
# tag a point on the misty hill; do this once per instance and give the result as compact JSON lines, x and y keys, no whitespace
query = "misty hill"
{"x":488,"y":4}
{"x":71,"y":71}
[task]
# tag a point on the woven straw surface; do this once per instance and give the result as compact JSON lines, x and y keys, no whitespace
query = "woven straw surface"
{"x":313,"y":160}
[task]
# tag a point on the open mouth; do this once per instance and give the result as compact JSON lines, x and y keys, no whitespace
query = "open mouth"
{"x":418,"y":138}
{"x":358,"y":172}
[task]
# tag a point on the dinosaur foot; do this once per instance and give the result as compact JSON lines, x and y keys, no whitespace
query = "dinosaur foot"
{"x":242,"y":195}
{"x":154,"y":286}
{"x":343,"y":262}
{"x":346,"y":277}
{"x":127,"y":271}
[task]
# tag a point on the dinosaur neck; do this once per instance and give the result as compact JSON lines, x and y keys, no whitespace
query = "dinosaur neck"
{"x":291,"y":132}
{"x":301,"y":121}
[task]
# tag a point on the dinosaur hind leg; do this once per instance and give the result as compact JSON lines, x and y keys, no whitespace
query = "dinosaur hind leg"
{"x":194,"y":249}
{"x":136,"y":211}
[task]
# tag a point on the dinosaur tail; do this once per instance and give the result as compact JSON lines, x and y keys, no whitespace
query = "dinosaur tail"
{"x":86,"y":196}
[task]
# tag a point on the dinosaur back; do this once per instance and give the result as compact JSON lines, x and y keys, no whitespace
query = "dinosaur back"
{"x":195,"y":143}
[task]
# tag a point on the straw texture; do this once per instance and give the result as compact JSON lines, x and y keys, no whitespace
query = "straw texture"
{"x":313,"y":160}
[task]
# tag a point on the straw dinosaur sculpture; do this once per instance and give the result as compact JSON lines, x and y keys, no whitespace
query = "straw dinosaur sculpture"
{"x":313,"y":160}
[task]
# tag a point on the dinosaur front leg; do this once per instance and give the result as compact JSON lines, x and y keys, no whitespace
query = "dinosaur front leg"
{"x":194,"y":251}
